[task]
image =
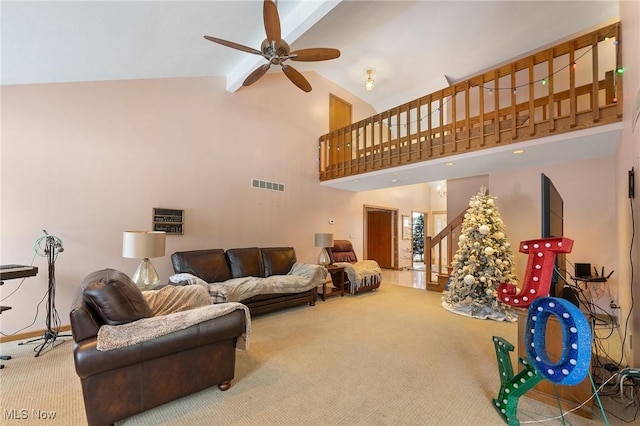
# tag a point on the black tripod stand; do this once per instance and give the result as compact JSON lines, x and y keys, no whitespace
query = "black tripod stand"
{"x":52,"y":247}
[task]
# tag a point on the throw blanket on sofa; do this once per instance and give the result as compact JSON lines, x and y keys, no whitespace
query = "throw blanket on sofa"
{"x":302,"y":277}
{"x":118,"y":336}
{"x":361,"y":273}
{"x":172,"y":299}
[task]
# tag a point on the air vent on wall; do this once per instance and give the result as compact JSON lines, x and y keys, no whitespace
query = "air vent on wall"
{"x":269,"y":186}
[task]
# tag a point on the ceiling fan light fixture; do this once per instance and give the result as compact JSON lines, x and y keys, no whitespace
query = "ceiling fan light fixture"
{"x":276,"y":51}
{"x":368,"y":84}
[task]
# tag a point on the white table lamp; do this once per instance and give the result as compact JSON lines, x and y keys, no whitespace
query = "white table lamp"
{"x":144,"y":245}
{"x":324,"y":241}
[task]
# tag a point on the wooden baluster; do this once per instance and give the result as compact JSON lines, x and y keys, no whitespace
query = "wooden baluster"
{"x":375,"y":144}
{"x":481,"y":110}
{"x":467,"y":132}
{"x":397,"y":160}
{"x":573,"y":105}
{"x":368,"y":136}
{"x":551,"y":106}
{"x":514,"y":112}
{"x":389,"y":136}
{"x":407,"y":132}
{"x":419,"y":128}
{"x":381,"y":140}
{"x":441,"y":113}
{"x":595,"y":95}
{"x":454,"y":133}
{"x":532,"y":99}
{"x":321,"y":166}
{"x":496,"y":107}
{"x":429,"y":129}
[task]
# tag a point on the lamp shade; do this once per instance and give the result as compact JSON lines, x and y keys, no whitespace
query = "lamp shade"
{"x":143,"y":244}
{"x":324,"y":240}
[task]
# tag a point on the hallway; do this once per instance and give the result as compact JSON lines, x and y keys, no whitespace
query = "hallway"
{"x":408,"y":278}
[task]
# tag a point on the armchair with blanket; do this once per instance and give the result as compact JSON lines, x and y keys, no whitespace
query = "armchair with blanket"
{"x":363,"y":275}
{"x":134,"y":351}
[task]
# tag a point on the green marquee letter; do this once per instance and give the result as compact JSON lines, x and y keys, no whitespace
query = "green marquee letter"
{"x":512,"y":387}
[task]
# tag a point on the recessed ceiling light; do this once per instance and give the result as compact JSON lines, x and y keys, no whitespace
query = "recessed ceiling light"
{"x":448,"y":164}
{"x":394,"y":180}
{"x":518,"y":151}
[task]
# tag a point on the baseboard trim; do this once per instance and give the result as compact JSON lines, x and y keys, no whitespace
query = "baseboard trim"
{"x":29,"y":335}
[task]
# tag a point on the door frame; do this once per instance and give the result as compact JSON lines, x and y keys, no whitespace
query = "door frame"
{"x":394,"y":230}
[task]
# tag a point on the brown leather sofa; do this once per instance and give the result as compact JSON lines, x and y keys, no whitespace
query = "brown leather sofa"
{"x":122,"y":382}
{"x":218,"y":266}
{"x":342,"y":254}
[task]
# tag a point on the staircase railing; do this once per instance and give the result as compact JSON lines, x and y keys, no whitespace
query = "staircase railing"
{"x":567,"y":87}
{"x":434,"y":248}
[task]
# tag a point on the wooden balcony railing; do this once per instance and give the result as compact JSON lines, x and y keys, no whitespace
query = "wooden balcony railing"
{"x":568,"y":87}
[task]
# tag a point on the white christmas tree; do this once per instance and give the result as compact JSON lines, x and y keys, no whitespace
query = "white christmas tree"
{"x":483,"y":260}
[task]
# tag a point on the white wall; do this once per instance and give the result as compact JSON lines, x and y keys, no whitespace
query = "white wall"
{"x":628,"y":156}
{"x":586,"y":187}
{"x":87,"y":161}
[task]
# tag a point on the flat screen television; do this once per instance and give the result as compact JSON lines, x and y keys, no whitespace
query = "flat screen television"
{"x":553,"y":226}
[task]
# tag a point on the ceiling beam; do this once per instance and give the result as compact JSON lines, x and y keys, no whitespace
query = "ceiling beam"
{"x":296,"y":23}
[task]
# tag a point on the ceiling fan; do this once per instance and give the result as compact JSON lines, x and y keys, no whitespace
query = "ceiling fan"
{"x":277,"y":51}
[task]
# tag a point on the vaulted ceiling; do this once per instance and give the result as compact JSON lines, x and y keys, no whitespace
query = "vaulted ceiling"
{"x":413,"y":47}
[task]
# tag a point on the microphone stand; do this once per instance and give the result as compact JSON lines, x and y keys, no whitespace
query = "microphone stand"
{"x":51,"y":334}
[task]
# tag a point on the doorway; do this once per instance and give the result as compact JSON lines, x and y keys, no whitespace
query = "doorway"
{"x":340,"y":116}
{"x":418,"y":221}
{"x":381,"y":236}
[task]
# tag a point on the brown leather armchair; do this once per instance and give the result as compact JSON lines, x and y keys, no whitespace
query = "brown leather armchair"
{"x":361,"y":275}
{"x":122,"y":382}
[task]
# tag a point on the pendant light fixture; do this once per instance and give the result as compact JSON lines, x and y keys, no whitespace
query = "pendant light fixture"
{"x":368,"y":84}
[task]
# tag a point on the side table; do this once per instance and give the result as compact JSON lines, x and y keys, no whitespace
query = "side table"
{"x":337,"y":278}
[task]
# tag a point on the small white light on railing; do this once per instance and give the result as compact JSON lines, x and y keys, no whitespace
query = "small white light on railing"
{"x":517,"y":151}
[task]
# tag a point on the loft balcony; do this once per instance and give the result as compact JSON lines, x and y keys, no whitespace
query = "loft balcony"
{"x":569,"y":87}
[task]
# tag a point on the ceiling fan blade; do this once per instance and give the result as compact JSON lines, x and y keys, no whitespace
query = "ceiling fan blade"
{"x":317,"y":54}
{"x":296,"y":78}
{"x":272,"y":22}
{"x":233,"y":45}
{"x":256,"y":74}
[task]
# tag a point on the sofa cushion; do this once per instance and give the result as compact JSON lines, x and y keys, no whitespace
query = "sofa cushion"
{"x":210,"y":265}
{"x":115,"y":298}
{"x":278,"y":260}
{"x":245,"y":262}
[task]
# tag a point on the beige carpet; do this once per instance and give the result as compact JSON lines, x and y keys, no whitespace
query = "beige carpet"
{"x":391,"y":357}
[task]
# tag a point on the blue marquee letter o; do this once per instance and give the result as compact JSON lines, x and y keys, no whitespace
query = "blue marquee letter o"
{"x":573,"y":365}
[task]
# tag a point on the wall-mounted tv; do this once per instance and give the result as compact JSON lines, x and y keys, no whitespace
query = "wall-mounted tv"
{"x":553,"y":226}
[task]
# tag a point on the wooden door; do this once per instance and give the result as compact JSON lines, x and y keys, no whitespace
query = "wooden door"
{"x":380,"y":237}
{"x":339,"y":117}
